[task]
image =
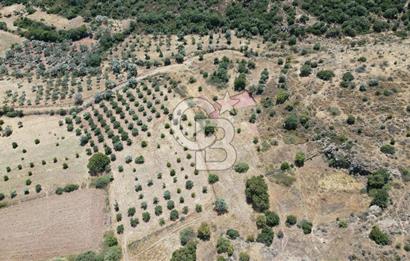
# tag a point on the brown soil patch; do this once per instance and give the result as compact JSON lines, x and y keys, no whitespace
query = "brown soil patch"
{"x":53,"y":226}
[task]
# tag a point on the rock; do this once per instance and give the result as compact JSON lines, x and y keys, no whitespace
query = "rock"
{"x":375,"y":210}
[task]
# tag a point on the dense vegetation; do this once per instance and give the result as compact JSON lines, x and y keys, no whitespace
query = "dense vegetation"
{"x":38,"y":31}
{"x":252,"y":17}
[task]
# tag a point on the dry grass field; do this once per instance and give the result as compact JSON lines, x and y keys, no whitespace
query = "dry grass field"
{"x":53,"y":226}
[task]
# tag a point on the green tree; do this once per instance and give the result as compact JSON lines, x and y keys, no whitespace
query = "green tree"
{"x":257,"y":193}
{"x":223,"y":245}
{"x":186,"y":253}
{"x":265,"y":236}
{"x":241,"y":167}
{"x":220,"y":206}
{"x":300,"y":159}
{"x":379,"y":236}
{"x":204,"y":232}
{"x":186,"y":235}
{"x":98,"y":163}
{"x":272,"y":219}
{"x":240,"y":82}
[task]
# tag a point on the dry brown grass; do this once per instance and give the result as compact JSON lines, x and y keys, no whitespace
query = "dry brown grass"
{"x":53,"y":226}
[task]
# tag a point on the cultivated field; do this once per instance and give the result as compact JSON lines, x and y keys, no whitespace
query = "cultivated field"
{"x":53,"y":226}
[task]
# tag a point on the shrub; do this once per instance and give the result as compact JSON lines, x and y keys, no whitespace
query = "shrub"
{"x":291,"y":220}
{"x":291,"y":122}
{"x":87,"y":256}
{"x":120,"y":229}
{"x":306,"y":226}
{"x":212,"y":178}
{"x":350,"y":120}
{"x":240,"y":82}
{"x":186,"y":253}
{"x":388,"y":149}
{"x":244,"y":257}
{"x":265,"y":236}
{"x":173,"y":215}
{"x":261,"y":221}
{"x":241,"y":167}
{"x":59,"y":191}
{"x":305,"y":70}
{"x":379,"y":237}
{"x":325,"y":75}
{"x":232,"y":233}
{"x":272,"y":219}
{"x":257,"y":193}
{"x":146,"y":216}
{"x":131,"y":212}
{"x":223,"y":245}
{"x":158,"y":210}
{"x":220,"y":206}
{"x":70,"y":188}
{"x":300,"y":159}
{"x":186,"y":235}
{"x":38,"y":188}
{"x":139,"y":160}
{"x":204,"y":233}
{"x":189,"y":184}
{"x":380,"y":198}
{"x":282,"y":96}
{"x":134,"y":222}
{"x":170,"y":204}
{"x":98,"y":163}
{"x":1,"y":196}
{"x":102,"y":181}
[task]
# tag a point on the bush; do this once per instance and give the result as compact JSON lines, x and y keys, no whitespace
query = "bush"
{"x":204,"y":233}
{"x":38,"y":188}
{"x":70,"y":188}
{"x":186,"y":235}
{"x":223,"y":245}
{"x":1,"y":196}
{"x":87,"y":256}
{"x":173,"y":215}
{"x":350,"y":120}
{"x":212,"y":178}
{"x":241,"y":167}
{"x":272,"y":219}
{"x":98,"y":163}
{"x":291,"y":220}
{"x":306,"y":226}
{"x":131,"y":212}
{"x":232,"y":233}
{"x":380,"y":198}
{"x":102,"y":181}
{"x":240,"y":82}
{"x":291,"y":122}
{"x":388,"y":149}
{"x":305,"y":70}
{"x":220,"y":206}
{"x":244,"y":257}
{"x":257,"y":193}
{"x":59,"y":191}
{"x":120,"y":229}
{"x":265,"y":236}
{"x":300,"y":159}
{"x":146,"y":216}
{"x":186,"y":253}
{"x":325,"y":75}
{"x":282,"y":96}
{"x":139,"y":160}
{"x":379,"y":236}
